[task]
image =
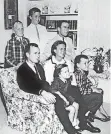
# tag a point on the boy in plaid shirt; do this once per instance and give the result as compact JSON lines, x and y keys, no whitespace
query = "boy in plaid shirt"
{"x":92,"y":96}
{"x":14,"y":51}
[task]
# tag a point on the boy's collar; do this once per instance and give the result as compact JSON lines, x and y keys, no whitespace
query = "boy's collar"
{"x":18,"y":38}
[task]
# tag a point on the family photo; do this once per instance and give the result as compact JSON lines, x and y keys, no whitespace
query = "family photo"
{"x":55,"y":67}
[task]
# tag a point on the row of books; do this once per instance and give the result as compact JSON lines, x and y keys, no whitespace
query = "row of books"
{"x":53,"y":24}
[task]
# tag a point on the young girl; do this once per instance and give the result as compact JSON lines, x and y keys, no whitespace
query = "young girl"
{"x":62,"y":85}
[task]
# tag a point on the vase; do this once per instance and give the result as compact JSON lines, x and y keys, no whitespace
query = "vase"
{"x":98,"y":68}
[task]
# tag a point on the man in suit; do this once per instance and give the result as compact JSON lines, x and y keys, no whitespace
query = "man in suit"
{"x":35,"y":32}
{"x":30,"y":75}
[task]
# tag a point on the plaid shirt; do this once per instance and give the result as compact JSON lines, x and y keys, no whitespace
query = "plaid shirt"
{"x":83,"y":82}
{"x":14,"y":52}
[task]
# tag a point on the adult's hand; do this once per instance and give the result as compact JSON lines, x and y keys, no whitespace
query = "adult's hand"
{"x":49,"y":97}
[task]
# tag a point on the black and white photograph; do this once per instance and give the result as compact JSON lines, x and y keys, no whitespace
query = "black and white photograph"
{"x":55,"y":67}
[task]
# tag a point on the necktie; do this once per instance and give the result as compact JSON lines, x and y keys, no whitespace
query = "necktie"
{"x":37,"y":71}
{"x":20,"y":40}
{"x":37,"y":33}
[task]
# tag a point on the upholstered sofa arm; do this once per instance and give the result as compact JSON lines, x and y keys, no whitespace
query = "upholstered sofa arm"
{"x":10,"y":86}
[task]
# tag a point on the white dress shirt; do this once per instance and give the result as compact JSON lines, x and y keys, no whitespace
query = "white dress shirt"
{"x":70,"y":52}
{"x":31,"y":33}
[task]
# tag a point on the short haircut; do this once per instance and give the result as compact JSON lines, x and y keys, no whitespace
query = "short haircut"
{"x":60,"y":23}
{"x":78,"y":60}
{"x":33,"y":10}
{"x":27,"y":48}
{"x":58,"y":69}
{"x":55,"y":44}
{"x":16,"y":23}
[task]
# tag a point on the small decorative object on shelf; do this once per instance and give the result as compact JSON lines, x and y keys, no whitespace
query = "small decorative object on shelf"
{"x":67,"y":9}
{"x":76,"y":11}
{"x":45,"y":10}
{"x":45,"y":7}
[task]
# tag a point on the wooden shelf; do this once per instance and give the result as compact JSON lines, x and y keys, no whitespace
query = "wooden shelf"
{"x":55,"y":30}
{"x":65,"y":14}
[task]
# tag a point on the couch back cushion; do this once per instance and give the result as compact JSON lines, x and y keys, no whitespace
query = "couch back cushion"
{"x":8,"y":81}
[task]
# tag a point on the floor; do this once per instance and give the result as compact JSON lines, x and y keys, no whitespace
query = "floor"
{"x":4,"y":129}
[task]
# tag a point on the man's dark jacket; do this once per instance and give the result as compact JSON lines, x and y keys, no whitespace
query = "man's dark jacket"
{"x":29,"y":81}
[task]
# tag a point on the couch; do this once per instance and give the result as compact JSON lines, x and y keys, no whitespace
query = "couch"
{"x":26,"y":112}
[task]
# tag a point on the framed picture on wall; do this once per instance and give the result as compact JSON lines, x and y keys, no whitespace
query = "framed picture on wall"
{"x":10,"y":13}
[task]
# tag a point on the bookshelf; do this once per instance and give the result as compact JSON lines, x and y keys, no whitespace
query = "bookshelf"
{"x":51,"y":22}
{"x":64,"y":14}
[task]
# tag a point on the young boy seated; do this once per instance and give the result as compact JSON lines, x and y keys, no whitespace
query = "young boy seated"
{"x":92,"y":95}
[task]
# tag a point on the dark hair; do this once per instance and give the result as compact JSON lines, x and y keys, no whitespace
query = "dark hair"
{"x":58,"y":69}
{"x":55,"y":44}
{"x":33,"y":10}
{"x":78,"y":60}
{"x":27,"y":48}
{"x":62,"y":21}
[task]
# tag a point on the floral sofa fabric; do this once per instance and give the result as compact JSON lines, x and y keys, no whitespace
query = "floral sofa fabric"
{"x":26,"y":112}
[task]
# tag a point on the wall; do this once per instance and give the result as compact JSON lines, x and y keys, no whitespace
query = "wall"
{"x":94,"y":26}
{"x":4,"y":34}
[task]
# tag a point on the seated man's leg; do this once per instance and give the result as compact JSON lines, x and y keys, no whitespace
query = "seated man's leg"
{"x":63,"y":115}
{"x":93,"y":101}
